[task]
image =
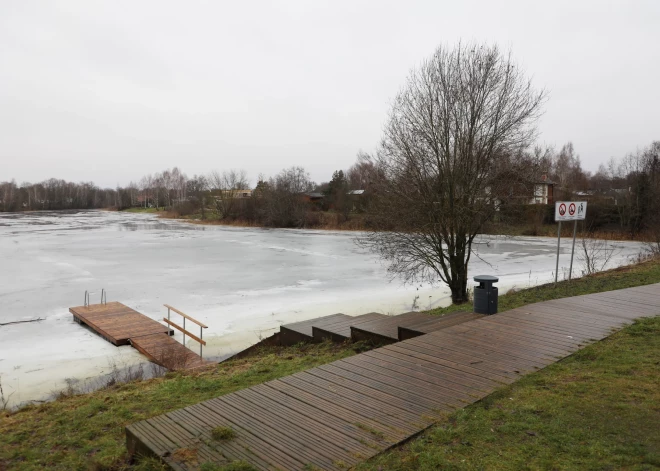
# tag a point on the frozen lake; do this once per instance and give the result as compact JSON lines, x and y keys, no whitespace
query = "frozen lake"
{"x":243,"y":283}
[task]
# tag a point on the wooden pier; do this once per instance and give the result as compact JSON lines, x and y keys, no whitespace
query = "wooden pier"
{"x":334,"y":416}
{"x":121,"y":325}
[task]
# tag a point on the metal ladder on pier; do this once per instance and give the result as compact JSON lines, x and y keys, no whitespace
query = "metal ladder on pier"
{"x":104,"y":297}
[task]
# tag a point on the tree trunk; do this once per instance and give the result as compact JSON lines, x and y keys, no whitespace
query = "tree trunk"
{"x":458,"y":282}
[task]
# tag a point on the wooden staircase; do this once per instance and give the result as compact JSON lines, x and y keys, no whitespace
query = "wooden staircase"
{"x":372,"y":327}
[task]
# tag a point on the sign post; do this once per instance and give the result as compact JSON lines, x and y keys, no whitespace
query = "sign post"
{"x":568,"y":211}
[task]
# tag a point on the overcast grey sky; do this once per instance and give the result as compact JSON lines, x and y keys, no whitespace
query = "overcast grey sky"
{"x":109,"y":91}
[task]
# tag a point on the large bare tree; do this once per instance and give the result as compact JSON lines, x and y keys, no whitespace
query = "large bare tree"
{"x":452,"y":153}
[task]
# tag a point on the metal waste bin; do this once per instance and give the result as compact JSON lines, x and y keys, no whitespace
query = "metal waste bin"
{"x":485,"y":295}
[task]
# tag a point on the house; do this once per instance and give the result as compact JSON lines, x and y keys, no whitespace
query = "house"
{"x":313,"y":197}
{"x":543,"y":192}
{"x":357,"y":199}
{"x":225,"y":194}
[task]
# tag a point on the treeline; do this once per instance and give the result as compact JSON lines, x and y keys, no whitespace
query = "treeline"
{"x":623,"y":193}
{"x":54,"y":194}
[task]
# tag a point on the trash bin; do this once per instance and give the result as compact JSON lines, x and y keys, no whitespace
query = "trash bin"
{"x":485,"y":295}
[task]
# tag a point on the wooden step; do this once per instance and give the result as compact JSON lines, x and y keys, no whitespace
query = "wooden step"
{"x":385,"y":331}
{"x":291,"y":334}
{"x":340,"y":331}
{"x":437,"y":323}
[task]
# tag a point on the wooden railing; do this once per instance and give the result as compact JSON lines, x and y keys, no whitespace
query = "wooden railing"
{"x":199,"y":339}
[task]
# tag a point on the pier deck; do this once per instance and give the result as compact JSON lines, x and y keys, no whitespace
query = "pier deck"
{"x":121,"y":325}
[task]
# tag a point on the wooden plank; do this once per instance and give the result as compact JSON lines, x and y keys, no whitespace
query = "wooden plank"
{"x":366,"y":396}
{"x":352,"y":440}
{"x":473,"y":367}
{"x":181,"y":329}
{"x":340,"y":331}
{"x":297,"y":332}
{"x":432,"y":372}
{"x":204,"y":326}
{"x":439,"y":323}
{"x":352,"y":401}
{"x":286,"y":434}
{"x":387,"y":434}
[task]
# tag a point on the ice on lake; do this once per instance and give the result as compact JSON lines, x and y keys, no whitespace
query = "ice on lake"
{"x":242,"y":282}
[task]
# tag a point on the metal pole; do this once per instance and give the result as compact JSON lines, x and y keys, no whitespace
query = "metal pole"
{"x":558,"y":240}
{"x":184,"y":331}
{"x":200,"y":343}
{"x":570,"y":272}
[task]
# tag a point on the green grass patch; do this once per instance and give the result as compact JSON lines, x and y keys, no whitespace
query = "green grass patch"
{"x":87,"y":431}
{"x":644,"y":273}
{"x":598,"y":409}
{"x":223,"y":433}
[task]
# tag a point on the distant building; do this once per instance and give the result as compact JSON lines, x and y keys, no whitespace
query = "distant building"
{"x":543,"y":192}
{"x":226,"y":194}
{"x":313,"y":197}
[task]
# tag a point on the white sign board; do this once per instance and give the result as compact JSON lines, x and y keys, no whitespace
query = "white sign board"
{"x":570,"y":210}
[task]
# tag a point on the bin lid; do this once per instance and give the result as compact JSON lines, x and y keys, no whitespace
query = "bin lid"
{"x":486,"y":278}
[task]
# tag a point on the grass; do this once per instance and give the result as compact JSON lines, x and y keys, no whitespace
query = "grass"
{"x":643,"y":273}
{"x":87,"y":431}
{"x":223,"y":433}
{"x":597,"y":409}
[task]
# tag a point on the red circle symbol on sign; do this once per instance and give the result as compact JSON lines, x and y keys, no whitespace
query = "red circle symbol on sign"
{"x":562,"y":209}
{"x":571,"y":209}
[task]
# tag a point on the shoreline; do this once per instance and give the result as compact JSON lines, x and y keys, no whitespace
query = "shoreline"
{"x":244,"y":283}
{"x":550,"y":229}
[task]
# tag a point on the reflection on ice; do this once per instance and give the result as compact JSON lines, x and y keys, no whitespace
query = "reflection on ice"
{"x":242,"y":282}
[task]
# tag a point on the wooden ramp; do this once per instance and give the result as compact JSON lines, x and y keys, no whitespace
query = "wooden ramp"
{"x":121,"y":325}
{"x":167,"y":352}
{"x":333,"y":416}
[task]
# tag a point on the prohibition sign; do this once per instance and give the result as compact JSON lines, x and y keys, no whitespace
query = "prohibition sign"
{"x":571,"y":209}
{"x":562,"y":209}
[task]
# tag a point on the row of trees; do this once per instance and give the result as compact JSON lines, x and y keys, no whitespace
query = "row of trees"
{"x":54,"y":194}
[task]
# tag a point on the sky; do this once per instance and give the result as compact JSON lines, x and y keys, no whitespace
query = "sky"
{"x":108,"y":91}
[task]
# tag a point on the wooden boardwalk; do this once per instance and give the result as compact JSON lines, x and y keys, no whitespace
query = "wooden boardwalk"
{"x":121,"y":325}
{"x":336,"y":415}
{"x":384,"y":331}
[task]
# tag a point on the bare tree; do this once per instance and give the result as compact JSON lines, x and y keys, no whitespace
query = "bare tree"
{"x":226,"y":188}
{"x":595,"y":254}
{"x":361,"y":172}
{"x":197,"y":187}
{"x":285,"y":204}
{"x":450,"y":156}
